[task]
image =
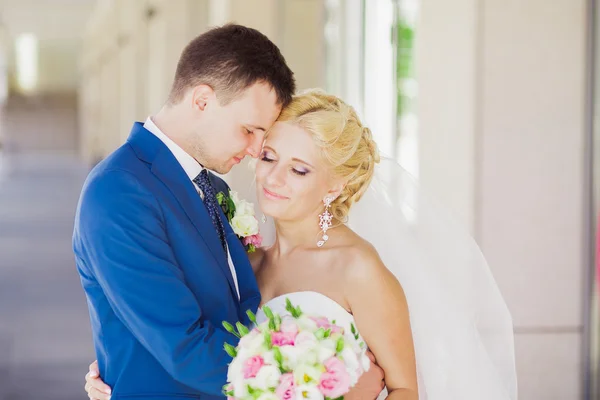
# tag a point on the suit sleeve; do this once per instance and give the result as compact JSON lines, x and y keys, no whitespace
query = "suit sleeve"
{"x":124,"y":244}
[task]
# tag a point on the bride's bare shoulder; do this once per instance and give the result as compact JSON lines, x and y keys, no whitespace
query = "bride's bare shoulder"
{"x":256,"y":259}
{"x":362,"y":261}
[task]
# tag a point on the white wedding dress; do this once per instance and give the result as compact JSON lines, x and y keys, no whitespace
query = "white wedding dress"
{"x":312,"y":303}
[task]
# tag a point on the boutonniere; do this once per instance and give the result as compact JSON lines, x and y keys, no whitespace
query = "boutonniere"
{"x":240,"y":215}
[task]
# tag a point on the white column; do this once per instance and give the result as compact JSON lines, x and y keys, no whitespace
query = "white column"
{"x":531,"y":181}
{"x":446,"y":37}
{"x":501,"y":114}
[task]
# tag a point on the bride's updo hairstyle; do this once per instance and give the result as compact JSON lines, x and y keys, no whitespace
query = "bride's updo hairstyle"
{"x":344,"y":142}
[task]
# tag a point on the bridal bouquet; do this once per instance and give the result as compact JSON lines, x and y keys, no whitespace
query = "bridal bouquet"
{"x":293,"y":357}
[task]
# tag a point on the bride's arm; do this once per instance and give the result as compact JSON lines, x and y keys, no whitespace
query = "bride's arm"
{"x":380,"y":310}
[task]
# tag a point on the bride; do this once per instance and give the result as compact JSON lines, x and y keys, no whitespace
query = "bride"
{"x":417,"y":288}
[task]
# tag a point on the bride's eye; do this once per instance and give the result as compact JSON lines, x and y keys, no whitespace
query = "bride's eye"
{"x":266,"y":159}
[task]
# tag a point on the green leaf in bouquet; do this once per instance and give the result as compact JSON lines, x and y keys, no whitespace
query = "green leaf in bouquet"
{"x":254,"y":392}
{"x":288,"y":305}
{"x":278,"y":357}
{"x":268,"y":340}
{"x":230,"y":350}
{"x":320,"y":333}
{"x":296,"y":312}
{"x":251,"y":316}
{"x":229,"y":328}
{"x":242,"y":329}
{"x":272,"y":325}
{"x":277,"y":322}
{"x":268,"y":312}
{"x":339,"y":346}
{"x":354,"y":331}
{"x":226,"y":392}
{"x":327,"y":333}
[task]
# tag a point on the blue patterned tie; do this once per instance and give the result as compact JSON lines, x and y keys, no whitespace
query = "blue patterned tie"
{"x":210,"y":201}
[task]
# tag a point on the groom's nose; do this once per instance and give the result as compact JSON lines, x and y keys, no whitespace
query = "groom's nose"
{"x":253,"y":150}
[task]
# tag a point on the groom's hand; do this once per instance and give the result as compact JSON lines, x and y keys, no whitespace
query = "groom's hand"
{"x":370,"y":384}
{"x":94,"y":386}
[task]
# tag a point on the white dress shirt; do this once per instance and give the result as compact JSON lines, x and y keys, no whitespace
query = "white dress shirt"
{"x":192,"y":168}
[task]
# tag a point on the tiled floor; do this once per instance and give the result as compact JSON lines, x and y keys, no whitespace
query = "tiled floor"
{"x":45,"y":340}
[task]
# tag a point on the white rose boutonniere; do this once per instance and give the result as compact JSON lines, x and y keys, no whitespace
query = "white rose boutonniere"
{"x":240,"y":215}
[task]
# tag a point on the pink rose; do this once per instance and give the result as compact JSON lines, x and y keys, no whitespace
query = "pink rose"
{"x":286,"y":335}
{"x":335,"y":381}
{"x":255,"y":240}
{"x":324,"y":323}
{"x":282,"y":338}
{"x":285,"y":390}
{"x":252,"y":366}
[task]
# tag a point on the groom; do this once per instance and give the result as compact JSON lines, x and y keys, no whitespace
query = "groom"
{"x":160,"y":265}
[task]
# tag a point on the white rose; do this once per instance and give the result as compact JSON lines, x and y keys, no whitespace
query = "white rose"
{"x":269,"y":357}
{"x":365,"y":362}
{"x":350,"y":359}
{"x":267,"y":377}
{"x":244,"y":225}
{"x":291,"y":356}
{"x":326,"y":350}
{"x":306,"y":340}
{"x":251,"y":345}
{"x":240,"y":388}
{"x":305,"y":323}
{"x":308,"y":392}
{"x":234,"y":372}
{"x":242,"y":207}
{"x":305,"y":374}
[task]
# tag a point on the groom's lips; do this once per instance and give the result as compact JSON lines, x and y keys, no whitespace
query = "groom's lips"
{"x":237,"y":160}
{"x":272,"y":195}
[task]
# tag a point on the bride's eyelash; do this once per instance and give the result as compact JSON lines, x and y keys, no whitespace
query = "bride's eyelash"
{"x":301,"y":173}
{"x":264,"y":158}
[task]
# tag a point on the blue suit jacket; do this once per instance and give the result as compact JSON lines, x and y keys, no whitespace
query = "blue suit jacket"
{"x":156,"y":278}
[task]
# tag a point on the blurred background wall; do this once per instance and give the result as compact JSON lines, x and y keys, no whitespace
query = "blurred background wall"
{"x":489,"y":102}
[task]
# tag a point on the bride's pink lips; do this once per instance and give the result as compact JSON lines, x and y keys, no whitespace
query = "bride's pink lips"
{"x":273,"y":196}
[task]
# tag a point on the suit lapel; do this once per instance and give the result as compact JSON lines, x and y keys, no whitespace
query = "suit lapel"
{"x":245,"y":275}
{"x":166,"y":168}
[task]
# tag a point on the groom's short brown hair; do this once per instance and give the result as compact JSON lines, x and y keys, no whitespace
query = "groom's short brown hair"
{"x":230,"y":59}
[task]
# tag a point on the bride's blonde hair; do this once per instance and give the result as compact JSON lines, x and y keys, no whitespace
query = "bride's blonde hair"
{"x":344,"y":142}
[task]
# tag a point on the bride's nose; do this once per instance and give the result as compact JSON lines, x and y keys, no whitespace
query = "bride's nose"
{"x":276,"y":177}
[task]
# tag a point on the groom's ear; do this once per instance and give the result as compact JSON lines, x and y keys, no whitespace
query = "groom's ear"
{"x":202,"y":96}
